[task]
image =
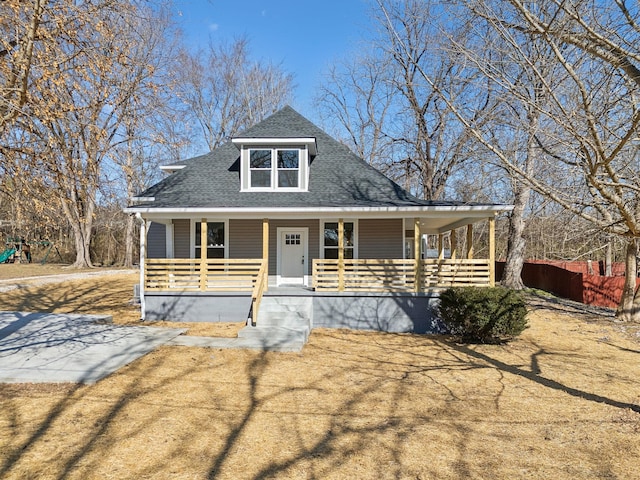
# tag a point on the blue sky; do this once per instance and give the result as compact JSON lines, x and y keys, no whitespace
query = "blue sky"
{"x":303,"y":36}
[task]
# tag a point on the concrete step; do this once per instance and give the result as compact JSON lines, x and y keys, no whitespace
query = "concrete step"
{"x":286,"y":302}
{"x":283,"y":322}
{"x":270,"y":335}
{"x":284,"y":319}
{"x":285,"y":311}
{"x":276,"y":307}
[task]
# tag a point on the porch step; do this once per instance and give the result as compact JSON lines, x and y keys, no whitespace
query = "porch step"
{"x":284,"y":323}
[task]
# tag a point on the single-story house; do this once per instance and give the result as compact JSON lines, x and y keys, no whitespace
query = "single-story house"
{"x":285,"y":210}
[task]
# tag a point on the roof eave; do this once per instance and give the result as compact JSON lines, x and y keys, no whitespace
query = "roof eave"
{"x":480,"y":211}
{"x":309,"y":142}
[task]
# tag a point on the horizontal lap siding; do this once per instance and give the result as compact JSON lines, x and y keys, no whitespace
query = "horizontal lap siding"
{"x":380,"y":238}
{"x":157,"y":241}
{"x":314,"y":239}
{"x":245,"y":238}
{"x":182,"y":238}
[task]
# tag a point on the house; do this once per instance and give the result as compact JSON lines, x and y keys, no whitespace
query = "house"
{"x":285,"y":211}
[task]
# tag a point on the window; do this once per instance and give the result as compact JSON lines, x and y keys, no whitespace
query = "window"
{"x":331,"y":240}
{"x":215,"y":239}
{"x":260,"y":167}
{"x":284,"y":172}
{"x":288,"y":168}
{"x":292,"y":239}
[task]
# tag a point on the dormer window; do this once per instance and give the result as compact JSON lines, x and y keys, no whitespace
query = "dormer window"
{"x":260,"y":168}
{"x":284,"y":172}
{"x":275,"y":164}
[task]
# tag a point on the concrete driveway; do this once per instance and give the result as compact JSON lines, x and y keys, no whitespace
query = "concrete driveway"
{"x":48,"y":347}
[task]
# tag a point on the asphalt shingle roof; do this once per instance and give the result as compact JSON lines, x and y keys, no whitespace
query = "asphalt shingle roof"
{"x":338,"y":178}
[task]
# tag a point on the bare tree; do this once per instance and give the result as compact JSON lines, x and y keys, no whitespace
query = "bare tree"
{"x":357,"y":99}
{"x":591,"y":144}
{"x":77,"y":112}
{"x":224,"y":92}
{"x":391,"y":115}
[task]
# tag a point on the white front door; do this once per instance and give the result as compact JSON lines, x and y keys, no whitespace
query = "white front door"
{"x":292,"y":250}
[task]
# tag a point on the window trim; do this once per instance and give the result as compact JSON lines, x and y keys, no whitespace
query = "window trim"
{"x":246,"y":170}
{"x":356,"y":242}
{"x":192,"y":246}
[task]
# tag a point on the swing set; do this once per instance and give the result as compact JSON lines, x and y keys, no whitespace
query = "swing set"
{"x":18,"y":250}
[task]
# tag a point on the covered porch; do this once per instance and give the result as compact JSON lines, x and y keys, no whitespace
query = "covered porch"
{"x":450,"y":263}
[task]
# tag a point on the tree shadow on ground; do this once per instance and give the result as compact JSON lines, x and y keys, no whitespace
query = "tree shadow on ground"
{"x":534,"y":376}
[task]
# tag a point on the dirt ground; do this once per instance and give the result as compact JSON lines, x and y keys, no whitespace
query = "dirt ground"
{"x":560,"y":402}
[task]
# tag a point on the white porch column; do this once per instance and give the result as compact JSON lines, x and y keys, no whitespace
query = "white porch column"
{"x":143,"y":256}
{"x":492,"y":251}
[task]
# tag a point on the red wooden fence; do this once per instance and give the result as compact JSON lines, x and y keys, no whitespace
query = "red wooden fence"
{"x":571,"y":280}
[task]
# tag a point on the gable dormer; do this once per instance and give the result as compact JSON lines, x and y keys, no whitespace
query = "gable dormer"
{"x":275,"y":164}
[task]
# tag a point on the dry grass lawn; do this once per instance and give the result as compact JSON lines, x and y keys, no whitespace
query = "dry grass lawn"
{"x":561,"y":402}
{"x":24,"y":270}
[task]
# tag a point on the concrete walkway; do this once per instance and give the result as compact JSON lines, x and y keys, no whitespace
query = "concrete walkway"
{"x":58,"y":348}
{"x":47,"y":347}
{"x":273,"y":344}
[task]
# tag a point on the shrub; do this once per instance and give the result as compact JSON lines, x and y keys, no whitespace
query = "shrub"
{"x":484,"y":315}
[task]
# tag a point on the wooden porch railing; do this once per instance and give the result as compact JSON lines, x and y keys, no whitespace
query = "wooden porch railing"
{"x":212,"y":275}
{"x":258,"y":290}
{"x":455,"y":273}
{"x":399,"y":275}
{"x":364,"y":275}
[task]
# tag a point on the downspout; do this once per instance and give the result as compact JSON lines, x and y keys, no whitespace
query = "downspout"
{"x":143,"y":252}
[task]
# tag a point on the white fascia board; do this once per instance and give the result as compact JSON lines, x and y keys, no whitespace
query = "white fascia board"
{"x":310,"y":142}
{"x":143,"y":199}
{"x":171,"y":168}
{"x":310,"y":212}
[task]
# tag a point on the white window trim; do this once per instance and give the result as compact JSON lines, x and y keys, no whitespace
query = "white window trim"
{"x":356,"y":239}
{"x":192,"y":247}
{"x":245,"y":168}
{"x":305,"y":240}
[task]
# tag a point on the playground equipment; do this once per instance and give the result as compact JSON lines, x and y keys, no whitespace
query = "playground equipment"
{"x":7,"y":254}
{"x":16,"y":247}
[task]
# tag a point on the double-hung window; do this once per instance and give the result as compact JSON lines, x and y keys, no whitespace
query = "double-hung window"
{"x":288,"y":171}
{"x":215,"y":239}
{"x":274,"y":168}
{"x":260,"y":168}
{"x":331,"y":240}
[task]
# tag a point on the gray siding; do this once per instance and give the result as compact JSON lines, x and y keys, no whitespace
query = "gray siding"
{"x":245,"y":238}
{"x":157,"y":241}
{"x":380,"y":238}
{"x":182,"y":238}
{"x":314,"y":238}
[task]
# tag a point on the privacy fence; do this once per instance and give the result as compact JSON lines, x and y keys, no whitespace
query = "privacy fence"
{"x":583,"y":282}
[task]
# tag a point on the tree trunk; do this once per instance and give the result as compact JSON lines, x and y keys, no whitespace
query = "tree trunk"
{"x":80,"y":217}
{"x":512,"y":276}
{"x":608,"y":261}
{"x":629,"y":308}
{"x":82,"y":243}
